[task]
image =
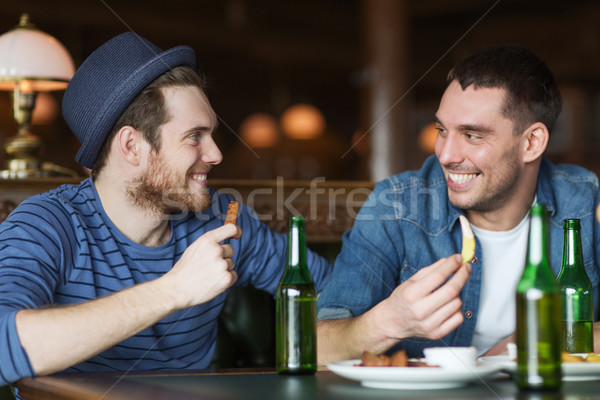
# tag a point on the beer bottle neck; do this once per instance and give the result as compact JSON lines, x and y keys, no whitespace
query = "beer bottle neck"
{"x":572,"y":253}
{"x":536,"y":250}
{"x":537,"y":273}
{"x":296,"y":251}
{"x":296,"y":268}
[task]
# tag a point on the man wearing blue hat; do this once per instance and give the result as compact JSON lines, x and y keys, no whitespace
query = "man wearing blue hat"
{"x":130,"y":269}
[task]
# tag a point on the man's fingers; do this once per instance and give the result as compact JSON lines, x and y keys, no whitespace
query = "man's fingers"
{"x":228,"y":251}
{"x":448,"y":325}
{"x":431,"y":277}
{"x":434,"y":308}
{"x":234,"y":277}
{"x":443,"y":313}
{"x":449,"y":290}
{"x":227,"y":231}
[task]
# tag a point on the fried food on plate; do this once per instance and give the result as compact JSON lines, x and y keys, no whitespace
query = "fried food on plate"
{"x":398,"y":359}
{"x":592,"y":357}
{"x":568,"y":357}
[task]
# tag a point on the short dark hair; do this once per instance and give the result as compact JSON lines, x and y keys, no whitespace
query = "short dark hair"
{"x":532,"y":94}
{"x":147,"y":112}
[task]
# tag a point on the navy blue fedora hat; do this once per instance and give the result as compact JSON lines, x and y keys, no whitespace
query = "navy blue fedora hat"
{"x":108,"y":81}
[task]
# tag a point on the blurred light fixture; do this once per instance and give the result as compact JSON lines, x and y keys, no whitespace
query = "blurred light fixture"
{"x":302,"y":121}
{"x":46,"y":109}
{"x":259,"y":130}
{"x":427,"y":138}
{"x":31,"y":61}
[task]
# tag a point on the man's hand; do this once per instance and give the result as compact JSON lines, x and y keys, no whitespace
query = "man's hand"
{"x":427,"y":305}
{"x":205,"y":269}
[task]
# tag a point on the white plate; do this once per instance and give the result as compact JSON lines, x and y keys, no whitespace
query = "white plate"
{"x":414,"y":378}
{"x":572,"y":371}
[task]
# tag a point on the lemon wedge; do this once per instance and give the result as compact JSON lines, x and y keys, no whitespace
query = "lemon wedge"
{"x":468,"y":240}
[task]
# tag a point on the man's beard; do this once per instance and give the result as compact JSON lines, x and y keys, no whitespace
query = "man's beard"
{"x":499,"y":192}
{"x":160,"y":190}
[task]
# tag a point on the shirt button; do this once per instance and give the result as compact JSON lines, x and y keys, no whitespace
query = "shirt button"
{"x":468,"y":314}
{"x":474,"y":260}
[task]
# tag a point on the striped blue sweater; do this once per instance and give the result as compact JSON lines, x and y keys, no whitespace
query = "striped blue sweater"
{"x":60,"y":247}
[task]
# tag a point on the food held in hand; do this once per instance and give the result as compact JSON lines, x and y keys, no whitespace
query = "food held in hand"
{"x":468,"y":240}
{"x":232,"y":213}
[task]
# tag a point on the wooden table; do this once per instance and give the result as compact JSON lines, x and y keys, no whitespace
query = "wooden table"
{"x":261,"y":385}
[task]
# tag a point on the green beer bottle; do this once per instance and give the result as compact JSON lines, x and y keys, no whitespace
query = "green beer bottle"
{"x":538,"y":313}
{"x":576,"y":293}
{"x":296,"y":309}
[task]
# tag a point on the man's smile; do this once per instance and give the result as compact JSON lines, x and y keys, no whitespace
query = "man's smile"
{"x":199,"y":177}
{"x":460,"y":178}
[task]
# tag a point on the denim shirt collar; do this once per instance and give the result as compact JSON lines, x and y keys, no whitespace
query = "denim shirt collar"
{"x":544,"y":192}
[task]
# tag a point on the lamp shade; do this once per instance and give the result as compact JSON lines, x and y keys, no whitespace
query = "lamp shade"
{"x":259,"y":130}
{"x":303,"y":121}
{"x":28,"y":54}
{"x":427,"y":138}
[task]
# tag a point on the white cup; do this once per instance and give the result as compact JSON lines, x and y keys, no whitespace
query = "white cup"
{"x":511,"y":348}
{"x":451,"y":357}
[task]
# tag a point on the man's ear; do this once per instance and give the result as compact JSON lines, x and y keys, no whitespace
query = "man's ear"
{"x":535,"y":141}
{"x":129,"y":143}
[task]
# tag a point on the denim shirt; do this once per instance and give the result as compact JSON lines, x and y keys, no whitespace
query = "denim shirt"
{"x":408,"y":223}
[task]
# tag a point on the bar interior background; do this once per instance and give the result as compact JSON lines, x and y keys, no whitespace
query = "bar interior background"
{"x":374,"y":68}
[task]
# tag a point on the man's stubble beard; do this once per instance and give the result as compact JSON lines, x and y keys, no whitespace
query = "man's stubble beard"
{"x":160,"y":191}
{"x":499,"y":194}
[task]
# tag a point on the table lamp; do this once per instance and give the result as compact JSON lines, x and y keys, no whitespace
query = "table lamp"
{"x":31,"y":61}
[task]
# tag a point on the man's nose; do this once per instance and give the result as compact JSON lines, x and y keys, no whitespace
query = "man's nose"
{"x":449,"y":149}
{"x":211,"y":153}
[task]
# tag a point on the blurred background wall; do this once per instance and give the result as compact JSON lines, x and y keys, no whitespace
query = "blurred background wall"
{"x":374,"y":69}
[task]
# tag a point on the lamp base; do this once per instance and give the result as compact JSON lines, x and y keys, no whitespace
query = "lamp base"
{"x":22,"y":150}
{"x":46,"y":170}
{"x":23,"y":163}
{"x":20,"y":173}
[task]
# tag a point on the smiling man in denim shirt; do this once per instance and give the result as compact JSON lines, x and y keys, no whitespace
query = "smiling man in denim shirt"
{"x":398,"y":281}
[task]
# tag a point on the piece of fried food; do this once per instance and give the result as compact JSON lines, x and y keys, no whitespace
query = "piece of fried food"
{"x":568,"y":357}
{"x":399,"y":359}
{"x":592,"y":357}
{"x":369,"y":359}
{"x":373,"y":360}
{"x":232,"y":213}
{"x":468,"y":240}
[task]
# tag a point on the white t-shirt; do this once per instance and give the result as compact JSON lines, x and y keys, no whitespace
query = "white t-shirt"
{"x":503,"y":255}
